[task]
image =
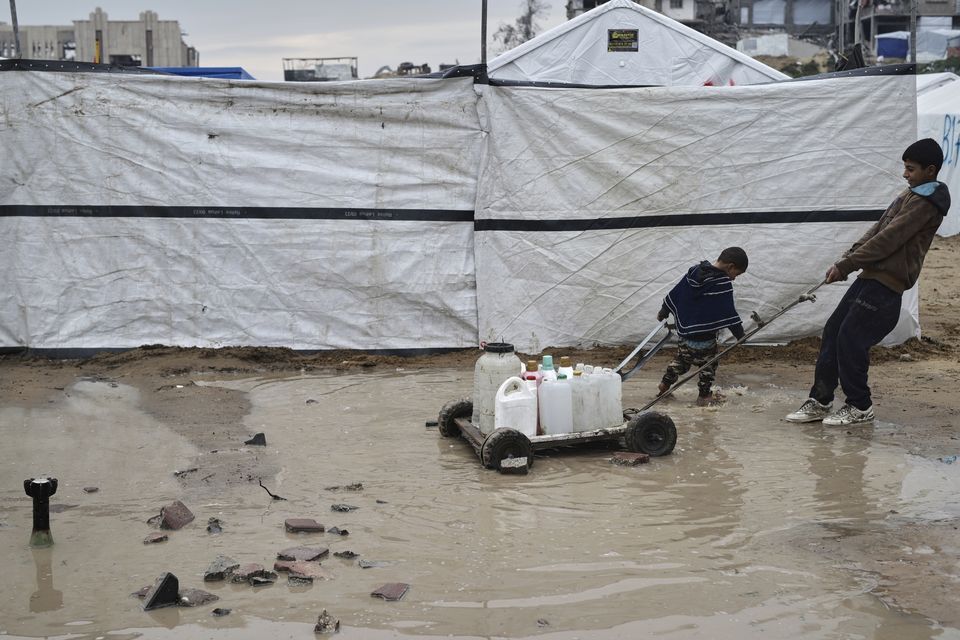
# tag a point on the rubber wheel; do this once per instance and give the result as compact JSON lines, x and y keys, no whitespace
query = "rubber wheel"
{"x":502,"y":444}
{"x":449,"y":413}
{"x":651,"y":433}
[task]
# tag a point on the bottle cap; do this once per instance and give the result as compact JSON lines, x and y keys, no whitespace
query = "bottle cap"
{"x":547,"y":362}
{"x":498,"y":347}
{"x":562,"y":376}
{"x":531,"y":365}
{"x":588,"y":369}
{"x":564,"y":361}
{"x":577,"y":373}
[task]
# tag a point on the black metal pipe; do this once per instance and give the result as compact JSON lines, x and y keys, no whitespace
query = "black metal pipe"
{"x":40,"y":489}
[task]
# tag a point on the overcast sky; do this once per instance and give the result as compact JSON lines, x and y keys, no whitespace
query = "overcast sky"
{"x":255,"y":35}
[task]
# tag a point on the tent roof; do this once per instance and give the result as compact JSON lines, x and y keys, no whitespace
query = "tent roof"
{"x":939,"y":100}
{"x":657,"y":20}
{"x":928,"y":82}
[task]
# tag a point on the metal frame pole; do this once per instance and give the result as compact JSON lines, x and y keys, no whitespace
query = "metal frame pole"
{"x":16,"y":29}
{"x":483,"y":32}
{"x":913,"y":31}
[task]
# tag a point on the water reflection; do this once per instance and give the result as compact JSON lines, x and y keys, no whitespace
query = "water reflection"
{"x":45,"y":598}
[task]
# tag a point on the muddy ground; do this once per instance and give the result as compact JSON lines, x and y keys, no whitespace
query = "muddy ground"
{"x":916,"y":390}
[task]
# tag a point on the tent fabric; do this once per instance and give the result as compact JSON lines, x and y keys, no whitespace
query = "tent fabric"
{"x":938,"y":117}
{"x":581,"y":230}
{"x":666,"y":53}
{"x":224,"y":73}
{"x":145,"y":209}
{"x":141,"y":208}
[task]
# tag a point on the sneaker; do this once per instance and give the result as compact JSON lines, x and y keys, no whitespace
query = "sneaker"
{"x":810,"y":411}
{"x":848,"y":415}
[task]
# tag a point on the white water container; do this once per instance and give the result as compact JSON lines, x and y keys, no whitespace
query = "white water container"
{"x":497,"y":363}
{"x":516,"y":407}
{"x":556,"y":406}
{"x":610,"y":398}
{"x":584,"y":399}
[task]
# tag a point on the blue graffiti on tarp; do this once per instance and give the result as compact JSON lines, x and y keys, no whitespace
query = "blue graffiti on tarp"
{"x":951,"y":140}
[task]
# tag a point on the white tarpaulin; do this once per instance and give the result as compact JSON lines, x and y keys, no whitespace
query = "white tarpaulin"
{"x":938,"y":117}
{"x":593,"y":203}
{"x":622,"y":43}
{"x":145,"y":209}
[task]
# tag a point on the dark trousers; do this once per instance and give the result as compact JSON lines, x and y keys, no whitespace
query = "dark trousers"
{"x":867,"y":313}
{"x":687,"y":356}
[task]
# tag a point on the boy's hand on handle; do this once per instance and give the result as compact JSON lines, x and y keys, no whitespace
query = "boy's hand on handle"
{"x":661,"y":315}
{"x":834,"y":274}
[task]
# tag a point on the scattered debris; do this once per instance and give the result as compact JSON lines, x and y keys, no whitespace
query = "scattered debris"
{"x":343,"y":508}
{"x":338,"y":531}
{"x":391,"y":591}
{"x":372,"y":564}
{"x":214,"y":526}
{"x":431,"y":423}
{"x":302,"y":554}
{"x":142,"y":592}
{"x":348,"y":555}
{"x":356,"y":486}
{"x":906,"y":357}
{"x":165,"y":592}
{"x":180,"y":474}
{"x":175,"y":516}
{"x":282,"y":566}
{"x":307,"y":572}
{"x":628,"y":459}
{"x":220,"y":569}
{"x":302,"y":525}
{"x":326,"y":623}
{"x":91,"y":489}
{"x":221,"y":612}
{"x":196,"y":597}
{"x":155,"y":537}
{"x":259,"y":440}
{"x":253,"y":573}
{"x":382,"y":501}
{"x":311,"y":401}
{"x":274,"y":496}
{"x":948,"y":459}
{"x":542,"y":623}
{"x":515,"y":465}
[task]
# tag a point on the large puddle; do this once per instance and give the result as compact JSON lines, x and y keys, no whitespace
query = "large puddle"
{"x":716,"y":541}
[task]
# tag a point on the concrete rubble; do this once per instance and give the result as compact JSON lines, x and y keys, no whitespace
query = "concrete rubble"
{"x":302,"y":554}
{"x":220,"y":569}
{"x":391,"y":591}
{"x":302,"y":525}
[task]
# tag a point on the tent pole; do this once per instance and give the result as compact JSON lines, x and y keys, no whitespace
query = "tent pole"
{"x":16,"y":29}
{"x":483,"y":32}
{"x":913,"y":31}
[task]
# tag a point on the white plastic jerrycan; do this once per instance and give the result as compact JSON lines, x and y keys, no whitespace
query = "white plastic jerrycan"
{"x":516,"y":407}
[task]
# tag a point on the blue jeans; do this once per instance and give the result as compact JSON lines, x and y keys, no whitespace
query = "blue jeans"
{"x":867,"y":313}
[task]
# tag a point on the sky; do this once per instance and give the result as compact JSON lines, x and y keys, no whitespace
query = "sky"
{"x":256,"y":35}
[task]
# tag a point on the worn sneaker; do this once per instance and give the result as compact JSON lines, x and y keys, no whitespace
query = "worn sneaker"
{"x":848,"y":415}
{"x":810,"y":411}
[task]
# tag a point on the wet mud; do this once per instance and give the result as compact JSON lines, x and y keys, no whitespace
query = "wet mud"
{"x":753,"y":528}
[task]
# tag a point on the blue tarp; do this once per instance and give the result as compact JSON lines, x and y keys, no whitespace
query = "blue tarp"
{"x":893,"y":45}
{"x":228,"y":73}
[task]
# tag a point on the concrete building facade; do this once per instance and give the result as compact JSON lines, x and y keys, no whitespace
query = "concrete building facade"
{"x":147,"y":42}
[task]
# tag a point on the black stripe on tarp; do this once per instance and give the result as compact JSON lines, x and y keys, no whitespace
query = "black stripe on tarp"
{"x":82,"y":353}
{"x":680,"y":220}
{"x":236,"y":213}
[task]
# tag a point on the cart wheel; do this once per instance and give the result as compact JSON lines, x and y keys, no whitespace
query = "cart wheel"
{"x":449,"y":413}
{"x":651,"y":433}
{"x":503,"y":444}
